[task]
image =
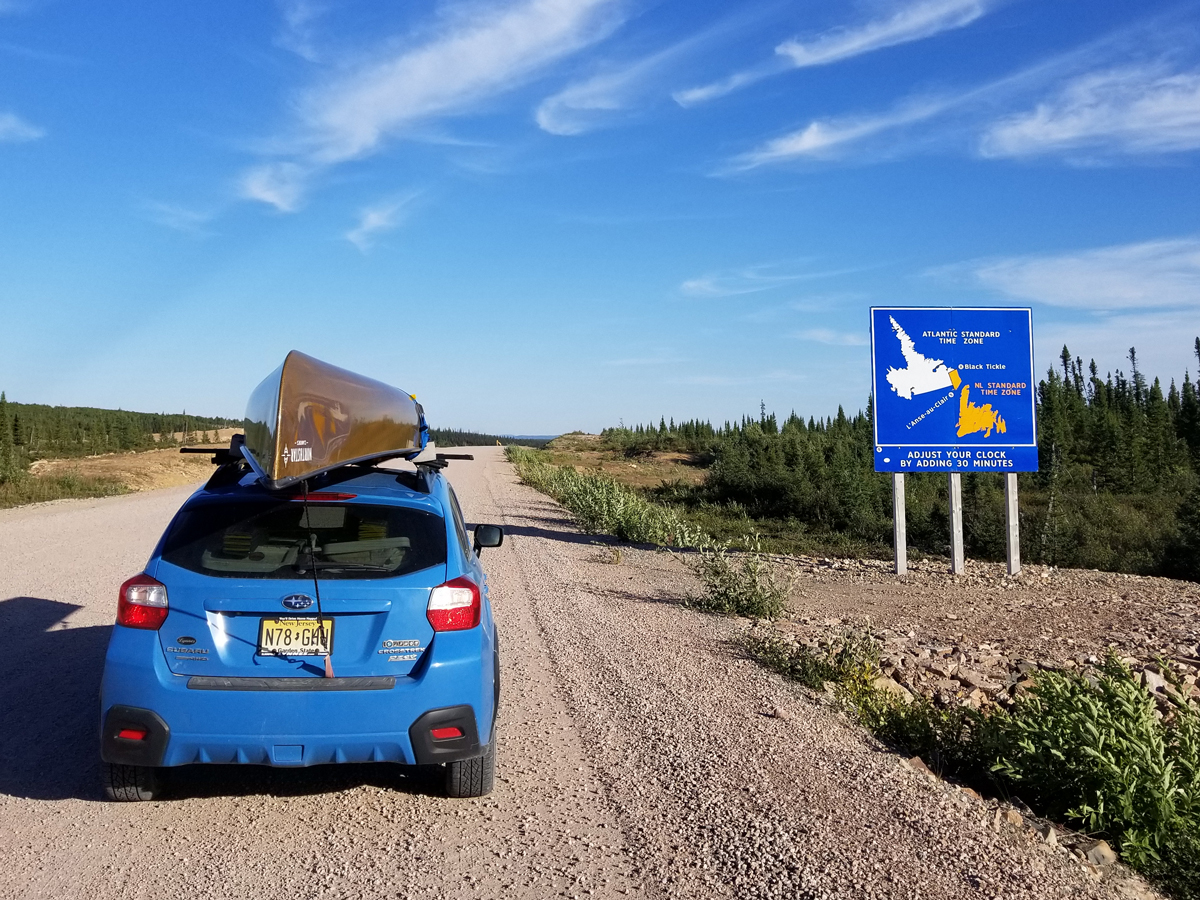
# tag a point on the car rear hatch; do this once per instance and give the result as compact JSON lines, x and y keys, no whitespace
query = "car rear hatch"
{"x":243,"y":599}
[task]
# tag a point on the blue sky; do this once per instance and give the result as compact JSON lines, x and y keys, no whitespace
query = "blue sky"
{"x":543,"y":215}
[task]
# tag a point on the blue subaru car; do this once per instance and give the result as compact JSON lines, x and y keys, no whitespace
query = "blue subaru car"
{"x":342,"y":621}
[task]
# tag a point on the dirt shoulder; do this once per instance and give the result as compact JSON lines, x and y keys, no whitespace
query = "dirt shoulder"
{"x":146,"y":470}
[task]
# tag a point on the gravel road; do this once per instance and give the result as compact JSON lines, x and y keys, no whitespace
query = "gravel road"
{"x":635,"y":756}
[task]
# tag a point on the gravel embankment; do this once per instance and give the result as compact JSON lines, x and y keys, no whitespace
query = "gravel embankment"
{"x":977,"y":637}
{"x":640,"y":755}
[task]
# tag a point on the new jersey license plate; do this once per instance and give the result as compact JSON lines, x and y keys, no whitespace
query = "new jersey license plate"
{"x":295,"y":636}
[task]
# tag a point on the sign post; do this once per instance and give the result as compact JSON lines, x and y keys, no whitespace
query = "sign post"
{"x":958,"y":559}
{"x":1010,"y":522}
{"x":954,"y":392}
{"x":899,"y":524}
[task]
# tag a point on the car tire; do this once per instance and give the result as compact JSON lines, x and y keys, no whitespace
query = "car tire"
{"x":125,"y":784}
{"x":472,"y":777}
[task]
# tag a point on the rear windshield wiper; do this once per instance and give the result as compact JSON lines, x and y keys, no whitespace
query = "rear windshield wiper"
{"x":325,"y":565}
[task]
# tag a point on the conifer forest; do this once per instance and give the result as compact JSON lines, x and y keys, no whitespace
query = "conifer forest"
{"x":1118,"y":486}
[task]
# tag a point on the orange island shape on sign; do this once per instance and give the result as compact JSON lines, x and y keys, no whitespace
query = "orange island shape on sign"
{"x":973,"y":419}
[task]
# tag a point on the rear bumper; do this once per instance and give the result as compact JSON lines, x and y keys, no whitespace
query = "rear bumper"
{"x":268,"y":724}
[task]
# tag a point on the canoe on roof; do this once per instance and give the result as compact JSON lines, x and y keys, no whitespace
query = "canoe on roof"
{"x":307,"y":417}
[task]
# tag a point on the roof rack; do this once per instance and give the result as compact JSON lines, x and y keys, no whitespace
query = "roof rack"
{"x":234,"y":461}
{"x":429,"y":458}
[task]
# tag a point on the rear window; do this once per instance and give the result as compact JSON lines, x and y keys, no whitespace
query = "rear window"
{"x":273,"y":539}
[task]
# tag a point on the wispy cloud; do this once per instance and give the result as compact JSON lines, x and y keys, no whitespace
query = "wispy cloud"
{"x":831,"y":337}
{"x":373,"y":220}
{"x":585,"y":105}
{"x":298,"y":33}
{"x":830,"y":138}
{"x":910,"y":22}
{"x":278,"y":184}
{"x":471,"y":58}
{"x":750,"y":280}
{"x":1153,"y":274}
{"x":1136,"y":108}
{"x":179,"y":218}
{"x":1126,"y":111}
{"x":15,"y":130}
{"x":592,"y":102}
{"x":913,"y":22}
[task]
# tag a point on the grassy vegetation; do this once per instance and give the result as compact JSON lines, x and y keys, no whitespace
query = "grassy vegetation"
{"x":25,"y":488}
{"x":1088,"y":749}
{"x":602,"y":506}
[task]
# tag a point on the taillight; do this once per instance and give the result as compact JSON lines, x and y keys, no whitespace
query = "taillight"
{"x":142,"y":603}
{"x":454,"y":606}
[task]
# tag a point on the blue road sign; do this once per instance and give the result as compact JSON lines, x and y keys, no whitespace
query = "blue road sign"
{"x":954,"y":389}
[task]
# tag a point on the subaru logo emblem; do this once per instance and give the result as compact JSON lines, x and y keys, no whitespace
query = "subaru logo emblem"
{"x":298,"y":601}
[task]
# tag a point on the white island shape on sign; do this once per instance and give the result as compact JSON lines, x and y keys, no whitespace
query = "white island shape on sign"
{"x":920,"y":374}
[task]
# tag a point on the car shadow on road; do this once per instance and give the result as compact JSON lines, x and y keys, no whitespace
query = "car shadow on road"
{"x":195,"y":782}
{"x":49,"y":690}
{"x":568,"y":537}
{"x":49,"y":707}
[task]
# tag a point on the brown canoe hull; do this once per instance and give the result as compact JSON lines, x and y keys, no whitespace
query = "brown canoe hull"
{"x":307,"y":417}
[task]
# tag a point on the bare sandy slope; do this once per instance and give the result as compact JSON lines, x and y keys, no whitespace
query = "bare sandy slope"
{"x":144,"y":470}
{"x":634,"y":758}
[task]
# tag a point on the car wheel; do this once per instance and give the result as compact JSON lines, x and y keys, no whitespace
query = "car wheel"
{"x":472,"y":777}
{"x":130,"y":783}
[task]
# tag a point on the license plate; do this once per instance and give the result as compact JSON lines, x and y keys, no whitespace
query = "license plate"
{"x":295,"y":637}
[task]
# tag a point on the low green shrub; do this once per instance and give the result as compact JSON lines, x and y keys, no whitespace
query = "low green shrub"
{"x":1095,"y":751}
{"x":742,"y":585}
{"x":851,"y":660}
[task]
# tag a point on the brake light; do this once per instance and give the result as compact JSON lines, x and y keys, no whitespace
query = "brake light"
{"x":454,"y":606}
{"x":132,"y":734}
{"x":322,"y":497}
{"x":142,"y":603}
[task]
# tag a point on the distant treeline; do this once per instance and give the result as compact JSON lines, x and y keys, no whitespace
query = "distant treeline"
{"x":454,"y":437}
{"x":1118,"y":486}
{"x":30,"y":431}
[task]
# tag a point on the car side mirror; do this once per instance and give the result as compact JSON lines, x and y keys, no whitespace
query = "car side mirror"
{"x":488,"y":536}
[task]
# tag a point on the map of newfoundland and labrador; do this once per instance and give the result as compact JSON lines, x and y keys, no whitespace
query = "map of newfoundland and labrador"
{"x":921,"y":375}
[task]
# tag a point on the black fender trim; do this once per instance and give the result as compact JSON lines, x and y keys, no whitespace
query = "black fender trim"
{"x":129,"y":752}
{"x":428,"y":751}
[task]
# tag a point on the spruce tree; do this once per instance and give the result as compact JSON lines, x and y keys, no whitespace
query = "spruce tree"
{"x":7,"y":452}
